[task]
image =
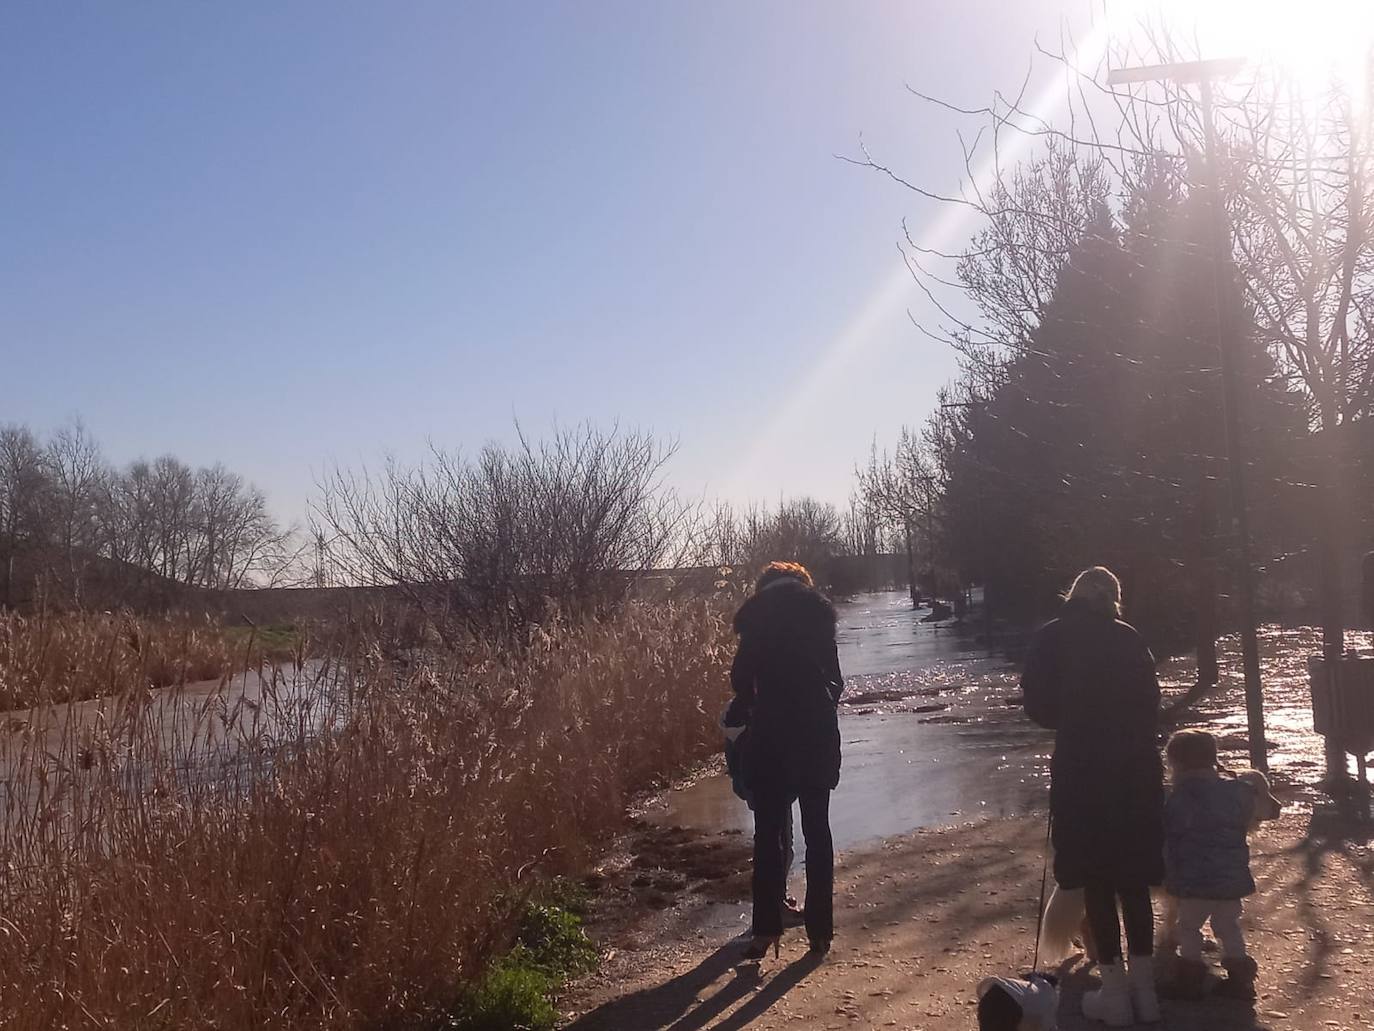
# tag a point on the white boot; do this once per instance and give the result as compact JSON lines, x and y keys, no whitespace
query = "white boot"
{"x":1110,"y":1004}
{"x":1143,"y":997}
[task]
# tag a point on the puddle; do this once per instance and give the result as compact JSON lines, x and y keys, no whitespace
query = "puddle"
{"x":929,"y":738}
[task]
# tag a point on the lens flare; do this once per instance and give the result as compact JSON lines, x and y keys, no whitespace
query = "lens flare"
{"x":1315,"y":43}
{"x":894,"y":291}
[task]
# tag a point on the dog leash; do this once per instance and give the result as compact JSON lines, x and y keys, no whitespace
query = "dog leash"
{"x":1044,"y":884}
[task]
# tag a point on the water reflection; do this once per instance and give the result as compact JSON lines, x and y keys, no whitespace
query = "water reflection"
{"x":931,"y":736}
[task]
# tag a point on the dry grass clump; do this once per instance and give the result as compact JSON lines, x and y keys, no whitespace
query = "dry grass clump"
{"x":75,"y":656}
{"x":341,"y":844}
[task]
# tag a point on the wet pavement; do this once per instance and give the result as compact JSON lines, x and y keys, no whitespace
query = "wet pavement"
{"x":932,"y":735}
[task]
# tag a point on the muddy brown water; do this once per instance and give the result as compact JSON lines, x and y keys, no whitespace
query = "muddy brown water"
{"x":931,"y":734}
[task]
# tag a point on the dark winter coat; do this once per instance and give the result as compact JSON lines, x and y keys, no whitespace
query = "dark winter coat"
{"x":1091,"y":679}
{"x":1206,"y":853}
{"x":787,"y":677}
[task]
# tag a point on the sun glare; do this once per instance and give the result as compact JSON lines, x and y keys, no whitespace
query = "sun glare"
{"x":1316,"y":42}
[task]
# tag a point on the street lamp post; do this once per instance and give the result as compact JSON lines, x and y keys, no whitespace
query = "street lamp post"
{"x":1202,"y":73}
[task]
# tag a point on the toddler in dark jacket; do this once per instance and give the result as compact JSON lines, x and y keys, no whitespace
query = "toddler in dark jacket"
{"x":1207,"y":861}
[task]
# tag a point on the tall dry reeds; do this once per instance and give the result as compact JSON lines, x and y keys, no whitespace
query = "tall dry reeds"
{"x":49,"y":658}
{"x":337,"y":844}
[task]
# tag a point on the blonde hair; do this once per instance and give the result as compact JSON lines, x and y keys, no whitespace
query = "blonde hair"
{"x":1099,"y":589}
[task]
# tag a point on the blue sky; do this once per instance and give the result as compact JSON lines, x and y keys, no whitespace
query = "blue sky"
{"x":286,"y":235}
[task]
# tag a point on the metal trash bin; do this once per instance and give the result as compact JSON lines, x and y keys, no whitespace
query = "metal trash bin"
{"x":1343,"y":707}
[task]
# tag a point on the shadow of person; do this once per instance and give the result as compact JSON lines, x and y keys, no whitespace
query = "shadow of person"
{"x":659,"y":1006}
{"x":762,"y":1001}
{"x":674,"y":1006}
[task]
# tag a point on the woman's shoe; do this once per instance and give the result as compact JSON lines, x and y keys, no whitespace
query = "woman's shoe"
{"x":792,"y":914}
{"x":760,"y":944}
{"x":1144,"y":998}
{"x":820,"y":946}
{"x":1111,"y":1004}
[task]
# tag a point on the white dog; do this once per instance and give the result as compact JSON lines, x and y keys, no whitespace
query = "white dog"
{"x":1065,"y":922}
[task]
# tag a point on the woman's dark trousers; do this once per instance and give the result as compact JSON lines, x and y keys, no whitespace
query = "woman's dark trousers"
{"x":770,"y":814}
{"x":1099,"y":902}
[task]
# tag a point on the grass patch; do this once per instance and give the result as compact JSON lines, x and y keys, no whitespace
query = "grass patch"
{"x":276,"y":643}
{"x":517,"y":992}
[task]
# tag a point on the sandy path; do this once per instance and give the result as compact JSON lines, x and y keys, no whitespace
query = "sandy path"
{"x":920,"y":919}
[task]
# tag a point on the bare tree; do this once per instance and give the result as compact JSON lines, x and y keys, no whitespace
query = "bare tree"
{"x":1295,"y":179}
{"x":802,"y":529}
{"x":134,"y":535}
{"x":1304,"y":230}
{"x":23,"y":484}
{"x":902,"y":486}
{"x":77,"y":475}
{"x":492,"y":543}
{"x":235,"y":541}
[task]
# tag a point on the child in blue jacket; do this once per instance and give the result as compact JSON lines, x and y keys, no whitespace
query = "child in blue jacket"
{"x":1207,"y":862}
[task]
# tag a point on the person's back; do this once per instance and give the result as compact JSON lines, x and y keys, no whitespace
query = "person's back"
{"x":787,"y":667}
{"x":1206,"y":850}
{"x":1103,"y":701}
{"x":1090,"y":678}
{"x":786,"y":677}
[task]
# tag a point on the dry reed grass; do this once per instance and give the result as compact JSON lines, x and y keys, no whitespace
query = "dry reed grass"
{"x":339,"y":844}
{"x":47,"y":658}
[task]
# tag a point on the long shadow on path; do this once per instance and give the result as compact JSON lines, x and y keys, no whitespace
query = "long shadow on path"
{"x":674,"y":1005}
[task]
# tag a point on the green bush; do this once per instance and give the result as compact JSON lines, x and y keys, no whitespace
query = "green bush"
{"x":511,"y":997}
{"x":517,"y":991}
{"x":552,"y":940}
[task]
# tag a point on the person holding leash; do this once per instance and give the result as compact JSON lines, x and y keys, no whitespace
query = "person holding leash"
{"x":1091,"y":678}
{"x":787,"y":682}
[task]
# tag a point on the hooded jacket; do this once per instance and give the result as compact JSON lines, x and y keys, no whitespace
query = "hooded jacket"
{"x":786,"y":676}
{"x":1206,"y":853}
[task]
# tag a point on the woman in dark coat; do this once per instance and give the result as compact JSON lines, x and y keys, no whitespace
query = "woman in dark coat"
{"x":786,"y":676}
{"x":1090,"y":678}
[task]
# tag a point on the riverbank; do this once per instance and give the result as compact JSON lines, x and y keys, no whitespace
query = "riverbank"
{"x":353,"y":841}
{"x":922,"y":917}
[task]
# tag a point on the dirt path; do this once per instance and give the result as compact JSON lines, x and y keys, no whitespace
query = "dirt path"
{"x":920,"y":919}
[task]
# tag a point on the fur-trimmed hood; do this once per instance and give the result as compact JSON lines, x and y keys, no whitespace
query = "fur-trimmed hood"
{"x":786,"y":606}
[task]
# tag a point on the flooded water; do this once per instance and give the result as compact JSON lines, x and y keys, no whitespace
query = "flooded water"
{"x":932,"y":736}
{"x":214,"y":735}
{"x":928,"y":735}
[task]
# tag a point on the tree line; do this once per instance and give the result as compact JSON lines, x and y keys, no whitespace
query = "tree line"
{"x":85,"y":531}
{"x":492,"y":541}
{"x":572,"y":524}
{"x":1088,"y":312}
